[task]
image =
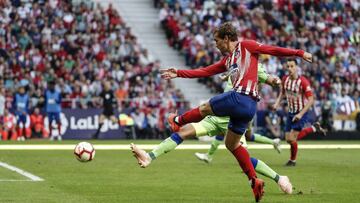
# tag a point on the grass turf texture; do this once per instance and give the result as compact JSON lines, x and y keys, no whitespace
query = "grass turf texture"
{"x":114,"y":176}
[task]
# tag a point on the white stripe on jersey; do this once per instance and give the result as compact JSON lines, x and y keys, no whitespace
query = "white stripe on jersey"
{"x":248,"y":87}
{"x":298,"y":103}
{"x":239,"y":89}
{"x":239,"y":63}
{"x":255,"y":92}
{"x":245,"y":66}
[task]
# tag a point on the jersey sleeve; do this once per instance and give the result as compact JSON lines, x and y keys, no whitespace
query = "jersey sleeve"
{"x":262,"y":75}
{"x":306,"y":88}
{"x":207,"y":71}
{"x":258,"y":48}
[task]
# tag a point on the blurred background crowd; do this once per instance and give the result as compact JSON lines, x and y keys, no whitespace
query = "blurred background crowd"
{"x":330,"y":30}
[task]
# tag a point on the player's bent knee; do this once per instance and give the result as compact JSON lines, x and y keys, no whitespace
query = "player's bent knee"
{"x":205,"y":109}
{"x":230,"y":145}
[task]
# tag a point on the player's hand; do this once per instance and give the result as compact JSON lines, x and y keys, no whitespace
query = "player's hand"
{"x":168,"y":74}
{"x":276,"y":81}
{"x":308,"y":57}
{"x":297,"y":117}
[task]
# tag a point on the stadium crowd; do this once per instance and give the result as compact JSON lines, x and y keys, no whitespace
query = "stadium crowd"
{"x":78,"y":45}
{"x":328,"y":29}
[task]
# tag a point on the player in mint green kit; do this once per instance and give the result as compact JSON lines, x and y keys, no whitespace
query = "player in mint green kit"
{"x":212,"y":126}
{"x":217,"y":126}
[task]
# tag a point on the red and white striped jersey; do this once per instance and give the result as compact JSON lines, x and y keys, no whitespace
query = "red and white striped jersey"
{"x":242,"y":65}
{"x":296,"y":91}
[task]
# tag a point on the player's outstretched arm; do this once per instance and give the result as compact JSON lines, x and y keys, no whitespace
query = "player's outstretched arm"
{"x":207,"y":71}
{"x":258,"y":48}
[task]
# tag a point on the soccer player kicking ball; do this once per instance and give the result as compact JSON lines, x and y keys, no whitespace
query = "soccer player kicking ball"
{"x":296,"y":88}
{"x":241,"y":62}
{"x":213,"y":125}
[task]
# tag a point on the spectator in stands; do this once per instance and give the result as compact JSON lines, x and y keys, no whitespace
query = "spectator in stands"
{"x":37,"y":125}
{"x":273,"y":120}
{"x":9,"y":127}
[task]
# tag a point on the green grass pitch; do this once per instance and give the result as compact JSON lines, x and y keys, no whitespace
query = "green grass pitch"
{"x":327,"y":175}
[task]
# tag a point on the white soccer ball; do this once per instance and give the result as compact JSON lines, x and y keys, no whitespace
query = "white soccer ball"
{"x":84,"y":152}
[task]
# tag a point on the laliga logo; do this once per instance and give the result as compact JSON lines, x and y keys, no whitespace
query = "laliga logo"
{"x":91,"y":123}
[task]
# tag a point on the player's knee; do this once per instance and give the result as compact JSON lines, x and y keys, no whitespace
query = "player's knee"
{"x":290,"y":139}
{"x":248,"y":135}
{"x":230,"y":146}
{"x":205,"y":109}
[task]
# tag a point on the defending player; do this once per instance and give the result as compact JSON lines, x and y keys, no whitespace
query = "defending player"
{"x":212,"y":125}
{"x":241,"y":62}
{"x":296,"y":88}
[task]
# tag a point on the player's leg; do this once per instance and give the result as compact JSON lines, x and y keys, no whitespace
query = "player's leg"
{"x":51,"y":119}
{"x":211,"y":126}
{"x":283,"y":181}
{"x":58,"y":122}
{"x":251,"y":136}
{"x":102,"y":118}
{"x":22,"y":127}
{"x":316,"y":127}
{"x":291,"y":139}
{"x":232,"y":143}
{"x":241,"y":110}
{"x":169,"y":144}
{"x":18,"y":128}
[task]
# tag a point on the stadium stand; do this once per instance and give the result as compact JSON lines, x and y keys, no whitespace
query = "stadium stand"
{"x":328,"y":29}
{"x":79,"y":44}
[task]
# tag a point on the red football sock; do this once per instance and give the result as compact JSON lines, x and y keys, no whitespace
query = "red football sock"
{"x":191,"y":116}
{"x":304,"y":133}
{"x":293,"y":149}
{"x":242,"y":156}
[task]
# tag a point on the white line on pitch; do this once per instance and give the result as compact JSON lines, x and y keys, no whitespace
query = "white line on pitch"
{"x":21,"y":172}
{"x":181,"y":147}
{"x":11,"y":180}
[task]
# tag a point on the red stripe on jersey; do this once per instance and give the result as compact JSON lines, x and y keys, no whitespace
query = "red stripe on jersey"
{"x":295,"y":93}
